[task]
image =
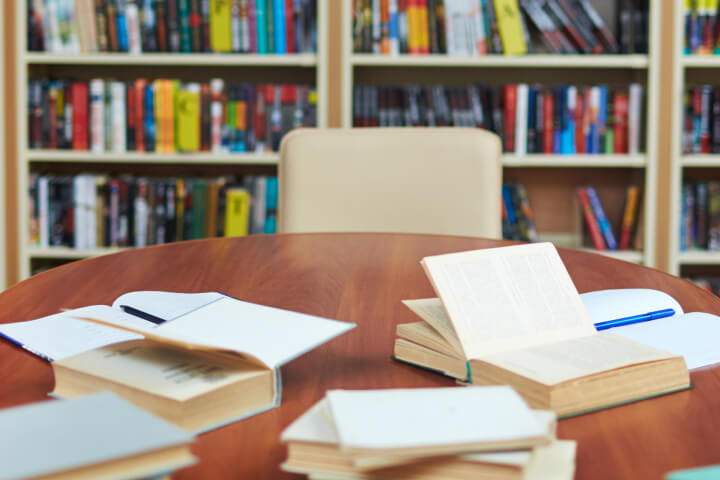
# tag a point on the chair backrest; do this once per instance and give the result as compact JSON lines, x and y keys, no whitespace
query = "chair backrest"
{"x":410,"y":180}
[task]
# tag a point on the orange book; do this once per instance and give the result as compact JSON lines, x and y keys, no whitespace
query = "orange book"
{"x":140,"y":85}
{"x":631,"y":202}
{"x":169,"y":113}
{"x":385,"y":27}
{"x":158,"y":113}
{"x":413,"y":19}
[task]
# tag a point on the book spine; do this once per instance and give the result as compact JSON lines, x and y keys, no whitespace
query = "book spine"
{"x":629,"y":215}
{"x":590,"y":220}
{"x":97,"y":116}
{"x":602,"y":219}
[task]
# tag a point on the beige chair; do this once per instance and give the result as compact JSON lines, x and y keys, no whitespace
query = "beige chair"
{"x":413,"y":180}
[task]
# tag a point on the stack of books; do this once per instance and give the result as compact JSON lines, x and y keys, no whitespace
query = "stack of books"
{"x":701,"y":125}
{"x":509,"y":27}
{"x":438,"y":434}
{"x":567,"y":119}
{"x":94,"y":210}
{"x":165,"y":115}
{"x":702,"y":34}
{"x":700,"y":216}
{"x":179,"y":26}
{"x":512,"y":316}
{"x":602,"y":234}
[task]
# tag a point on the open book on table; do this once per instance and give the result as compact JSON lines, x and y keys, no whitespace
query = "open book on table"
{"x":512,"y":315}
{"x":199,"y":360}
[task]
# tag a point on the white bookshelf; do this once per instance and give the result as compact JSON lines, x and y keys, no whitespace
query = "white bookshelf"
{"x":3,"y":160}
{"x":584,"y":66}
{"x":108,"y":63}
{"x":683,"y":65}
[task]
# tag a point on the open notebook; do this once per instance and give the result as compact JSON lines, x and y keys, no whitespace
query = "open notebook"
{"x":176,"y":354}
{"x":512,"y":315}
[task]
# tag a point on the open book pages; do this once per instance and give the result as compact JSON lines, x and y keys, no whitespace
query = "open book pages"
{"x":570,"y":359}
{"x":507,"y":298}
{"x":313,"y":447}
{"x":431,"y":421}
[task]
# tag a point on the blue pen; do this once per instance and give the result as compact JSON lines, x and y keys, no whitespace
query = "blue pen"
{"x":644,"y":317}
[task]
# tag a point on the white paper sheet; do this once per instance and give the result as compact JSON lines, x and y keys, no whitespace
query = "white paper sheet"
{"x":695,"y":336}
{"x":428,"y":417}
{"x":604,"y":305}
{"x":166,"y":305}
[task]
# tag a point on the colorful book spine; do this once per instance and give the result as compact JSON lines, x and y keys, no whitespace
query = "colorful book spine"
{"x":591,"y":220}
{"x":602,"y":219}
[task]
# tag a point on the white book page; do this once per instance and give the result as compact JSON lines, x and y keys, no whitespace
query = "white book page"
{"x":695,"y":336}
{"x":61,"y":335}
{"x":553,"y":462}
{"x":570,"y":359}
{"x":272,"y":335}
{"x":166,"y":305}
{"x":432,"y":311}
{"x":502,"y":299}
{"x":604,"y":305}
{"x":312,"y":427}
{"x":428,"y":417}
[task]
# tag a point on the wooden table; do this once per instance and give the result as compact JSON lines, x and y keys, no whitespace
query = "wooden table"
{"x":361,"y":278}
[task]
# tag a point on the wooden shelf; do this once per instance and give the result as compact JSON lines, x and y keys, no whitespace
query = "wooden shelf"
{"x":700,"y":61}
{"x":632,"y":256}
{"x":524,"y":61}
{"x":185,"y":59}
{"x":203,"y":158}
{"x":61,"y":253}
{"x":588,"y":161}
{"x":699,"y":257}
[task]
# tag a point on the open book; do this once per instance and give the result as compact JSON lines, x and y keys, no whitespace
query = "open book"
{"x":198,"y":360}
{"x":512,"y":315}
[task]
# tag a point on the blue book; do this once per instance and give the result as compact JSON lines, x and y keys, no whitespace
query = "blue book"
{"x":271,"y":202}
{"x":602,"y":219}
{"x":602,"y":119}
{"x":568,"y":134}
{"x":92,"y":435}
{"x":261,"y":26}
{"x":121,"y":26}
{"x":532,"y":135}
{"x":558,"y":118}
{"x":149,"y":120}
{"x":703,"y":473}
{"x":279,"y":26}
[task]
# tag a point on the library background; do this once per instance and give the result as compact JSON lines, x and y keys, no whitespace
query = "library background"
{"x":136,"y":122}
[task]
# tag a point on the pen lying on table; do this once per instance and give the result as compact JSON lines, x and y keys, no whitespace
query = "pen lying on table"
{"x":644,"y":317}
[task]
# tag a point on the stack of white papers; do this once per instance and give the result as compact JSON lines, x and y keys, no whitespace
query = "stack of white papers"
{"x":441,"y":433}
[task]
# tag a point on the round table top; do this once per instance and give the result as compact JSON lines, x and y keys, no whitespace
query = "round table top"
{"x":361,"y":278}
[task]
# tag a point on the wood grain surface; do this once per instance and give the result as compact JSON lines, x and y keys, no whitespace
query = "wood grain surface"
{"x":361,"y":278}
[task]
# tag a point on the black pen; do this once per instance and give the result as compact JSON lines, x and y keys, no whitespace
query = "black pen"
{"x":141,"y":314}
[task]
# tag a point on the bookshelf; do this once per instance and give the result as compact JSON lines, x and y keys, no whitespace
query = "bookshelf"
{"x":270,"y":68}
{"x":550,"y":179}
{"x":688,"y":69}
{"x":3,"y":162}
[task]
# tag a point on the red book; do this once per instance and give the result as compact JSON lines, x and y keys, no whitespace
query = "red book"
{"x":591,"y":220}
{"x":80,"y":125}
{"x":548,"y":121}
{"x":620,"y":125}
{"x":510,"y":111}
{"x":580,"y":109}
{"x":290,"y":27}
{"x":131,"y":116}
{"x":139,"y":87}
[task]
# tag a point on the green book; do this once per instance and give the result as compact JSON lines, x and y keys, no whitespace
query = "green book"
{"x":270,"y":26}
{"x":184,"y":21}
{"x":262,"y":23}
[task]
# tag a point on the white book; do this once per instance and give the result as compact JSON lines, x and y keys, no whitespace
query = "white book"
{"x":216,"y":116}
{"x":471,"y":34}
{"x":54,"y":43}
{"x":455,"y":26}
{"x":376,"y":31}
{"x":71,"y":24}
{"x":118,"y":119}
{"x":97,"y":115}
{"x":236,"y":26}
{"x":142,"y":212}
{"x":78,"y":211}
{"x":43,"y":210}
{"x":132,"y":20}
{"x":634,"y":117}
{"x":90,"y":211}
{"x":521,"y":119}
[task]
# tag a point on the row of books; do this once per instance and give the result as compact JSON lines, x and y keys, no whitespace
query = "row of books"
{"x":165,"y":115}
{"x":518,"y":221}
{"x":90,"y":210}
{"x":603,"y":235}
{"x":700,"y":216}
{"x":564,"y":119}
{"x":509,"y":27}
{"x":702,"y":29}
{"x":180,"y":26}
{"x":701,"y":126}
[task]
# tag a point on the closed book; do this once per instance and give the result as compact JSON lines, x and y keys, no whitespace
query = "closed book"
{"x":602,"y":219}
{"x":93,"y":436}
{"x":237,"y":212}
{"x":537,"y":354}
{"x":81,"y":117}
{"x":183,"y":17}
{"x":632,"y":194}
{"x":510,"y":27}
{"x":188,"y":118}
{"x":261,"y":9}
{"x":591,"y":221}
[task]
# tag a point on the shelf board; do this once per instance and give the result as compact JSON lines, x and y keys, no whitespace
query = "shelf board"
{"x":701,"y":160}
{"x":222,"y":59}
{"x":700,"y":61}
{"x":699,"y":257}
{"x":524,"y":61}
{"x":595,"y":160}
{"x":632,"y":256}
{"x":206,"y":158}
{"x":61,"y":253}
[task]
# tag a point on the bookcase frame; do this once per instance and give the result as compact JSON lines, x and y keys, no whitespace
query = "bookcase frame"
{"x":3,"y":162}
{"x":156,"y":61}
{"x":680,"y":162}
{"x":649,"y":63}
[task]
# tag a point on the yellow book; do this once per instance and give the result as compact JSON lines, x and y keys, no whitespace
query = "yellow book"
{"x":171,"y":106}
{"x":423,"y":29}
{"x":220,"y":29}
{"x":188,"y":118}
{"x":157,"y":86}
{"x":237,"y":212}
{"x":413,"y":19}
{"x":510,"y":27}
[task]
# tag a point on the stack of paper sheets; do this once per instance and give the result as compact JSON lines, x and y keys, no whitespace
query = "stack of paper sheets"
{"x":441,"y":433}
